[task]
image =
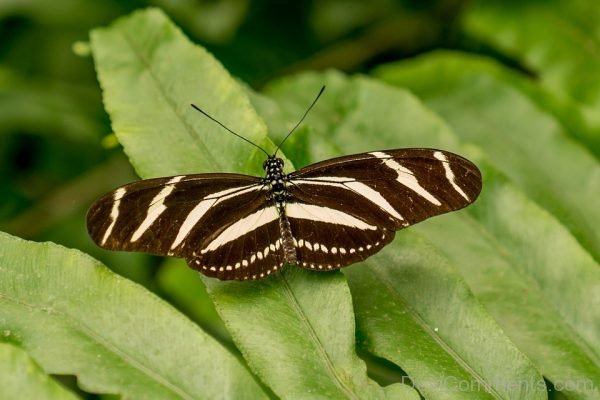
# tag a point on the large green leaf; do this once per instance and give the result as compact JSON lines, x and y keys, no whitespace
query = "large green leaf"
{"x":411,"y":307}
{"x":534,"y":278}
{"x":306,"y":322}
{"x":75,"y":317}
{"x":523,"y":141}
{"x":530,"y":273}
{"x":557,"y":41}
{"x":295,"y":330}
{"x":150,"y":74}
{"x":22,"y":378}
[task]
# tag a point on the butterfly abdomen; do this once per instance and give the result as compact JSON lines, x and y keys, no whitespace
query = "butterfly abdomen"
{"x":287,"y":239}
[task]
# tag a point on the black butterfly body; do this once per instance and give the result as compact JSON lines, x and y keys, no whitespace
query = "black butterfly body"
{"x":322,"y":217}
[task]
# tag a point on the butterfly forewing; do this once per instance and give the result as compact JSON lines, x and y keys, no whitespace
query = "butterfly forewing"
{"x":384,"y":191}
{"x":194,"y":217}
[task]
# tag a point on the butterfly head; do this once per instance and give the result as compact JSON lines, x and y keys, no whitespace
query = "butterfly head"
{"x":273,"y":165}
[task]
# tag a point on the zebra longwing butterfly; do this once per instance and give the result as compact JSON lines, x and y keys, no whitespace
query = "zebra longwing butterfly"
{"x":322,"y":217}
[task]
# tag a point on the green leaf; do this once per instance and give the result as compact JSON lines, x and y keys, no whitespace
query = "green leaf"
{"x":305,"y":320}
{"x":185,"y":290}
{"x":282,"y":312}
{"x":566,"y":111}
{"x":445,"y":341}
{"x":22,"y":378}
{"x":150,"y":74}
{"x":525,"y":143}
{"x":534,"y":278}
{"x":75,"y":317}
{"x":530,"y":273}
{"x":354,"y":116}
{"x":411,"y":307}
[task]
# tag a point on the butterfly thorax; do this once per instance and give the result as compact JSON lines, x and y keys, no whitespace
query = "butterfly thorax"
{"x":278,"y":194}
{"x":276,"y":182}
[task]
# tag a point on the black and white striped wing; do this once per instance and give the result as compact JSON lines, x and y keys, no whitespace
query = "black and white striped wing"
{"x":220,"y":223}
{"x":346,"y":209}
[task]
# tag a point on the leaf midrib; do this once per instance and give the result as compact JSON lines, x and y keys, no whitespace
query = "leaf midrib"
{"x":438,"y":339}
{"x":315,"y":338}
{"x":188,"y":129}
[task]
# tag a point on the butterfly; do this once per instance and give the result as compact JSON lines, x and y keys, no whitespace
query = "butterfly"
{"x":322,"y":217}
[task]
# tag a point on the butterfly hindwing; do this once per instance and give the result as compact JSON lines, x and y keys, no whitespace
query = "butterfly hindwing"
{"x":327,"y":238}
{"x":250,"y":248}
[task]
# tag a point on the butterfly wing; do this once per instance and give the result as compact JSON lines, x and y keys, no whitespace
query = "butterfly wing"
{"x":328,"y":238}
{"x":348,"y":208}
{"x":249,"y":248}
{"x":215,"y":221}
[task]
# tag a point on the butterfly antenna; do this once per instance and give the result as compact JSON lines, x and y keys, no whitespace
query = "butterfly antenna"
{"x":228,"y":130}
{"x":301,"y":119}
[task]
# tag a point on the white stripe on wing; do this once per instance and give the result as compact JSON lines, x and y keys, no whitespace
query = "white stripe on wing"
{"x":406,"y":177}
